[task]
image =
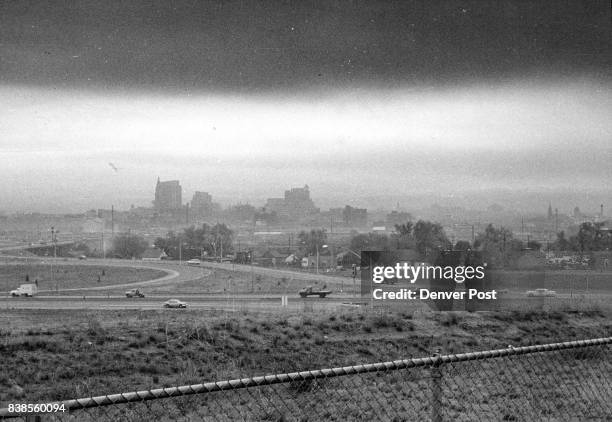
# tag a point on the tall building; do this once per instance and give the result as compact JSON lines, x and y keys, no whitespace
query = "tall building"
{"x":355,"y":217}
{"x":201,"y":203}
{"x":295,"y":205}
{"x":168,"y":195}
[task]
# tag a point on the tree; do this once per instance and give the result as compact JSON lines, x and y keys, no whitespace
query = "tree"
{"x":194,"y":241}
{"x":404,"y":229}
{"x":220,"y":238}
{"x":462,"y":245}
{"x":429,"y":236}
{"x":169,"y":244}
{"x":498,"y":246}
{"x":403,"y":238}
{"x":313,"y":240}
{"x":591,"y":237}
{"x":129,"y":246}
{"x":561,"y":243}
{"x":494,"y":236}
{"x":369,"y":241}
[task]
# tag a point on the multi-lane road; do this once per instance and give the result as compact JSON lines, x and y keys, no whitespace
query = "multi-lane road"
{"x":98,"y":297}
{"x":219,"y":302}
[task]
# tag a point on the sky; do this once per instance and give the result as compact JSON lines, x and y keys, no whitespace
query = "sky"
{"x":377,"y":99}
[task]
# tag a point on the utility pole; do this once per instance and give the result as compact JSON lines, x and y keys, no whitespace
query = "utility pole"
{"x":252,"y":275}
{"x":102,"y":245}
{"x":113,"y":222}
{"x":217,"y":240}
{"x":53,"y":283}
{"x":317,"y":245}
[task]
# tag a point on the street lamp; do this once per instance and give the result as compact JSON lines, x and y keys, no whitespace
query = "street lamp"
{"x":317,"y":248}
{"x":54,"y":241}
{"x":322,"y":247}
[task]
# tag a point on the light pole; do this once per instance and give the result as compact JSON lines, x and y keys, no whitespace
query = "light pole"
{"x":53,"y":240}
{"x":252,"y":275}
{"x":102,"y":241}
{"x":322,"y":247}
{"x":317,"y":246}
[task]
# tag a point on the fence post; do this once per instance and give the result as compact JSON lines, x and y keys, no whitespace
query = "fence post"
{"x":436,"y":389}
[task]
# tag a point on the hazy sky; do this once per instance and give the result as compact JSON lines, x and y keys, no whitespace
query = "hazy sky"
{"x":246,"y":99}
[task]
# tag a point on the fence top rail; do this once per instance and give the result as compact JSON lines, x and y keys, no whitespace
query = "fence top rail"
{"x":210,"y":387}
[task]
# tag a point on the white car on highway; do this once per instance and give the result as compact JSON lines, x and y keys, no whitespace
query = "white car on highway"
{"x":541,"y":293}
{"x":174,"y":303}
{"x":194,"y":262}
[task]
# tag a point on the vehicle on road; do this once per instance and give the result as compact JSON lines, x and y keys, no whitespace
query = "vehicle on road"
{"x":82,"y":257}
{"x":310,"y":291}
{"x":541,"y":293}
{"x":194,"y":262}
{"x":174,"y":303}
{"x":134,"y":293}
{"x":27,"y":290}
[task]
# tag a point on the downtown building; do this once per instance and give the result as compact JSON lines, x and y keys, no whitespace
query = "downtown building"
{"x":202,"y":204}
{"x":295,"y":206}
{"x":168,"y":196}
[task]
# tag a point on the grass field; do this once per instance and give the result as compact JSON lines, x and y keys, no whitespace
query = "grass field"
{"x":223,"y":281}
{"x":52,"y":355}
{"x":71,"y":276}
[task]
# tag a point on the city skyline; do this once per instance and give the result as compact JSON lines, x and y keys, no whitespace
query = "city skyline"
{"x":166,"y":198}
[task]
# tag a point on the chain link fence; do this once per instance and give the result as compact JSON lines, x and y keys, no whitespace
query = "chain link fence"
{"x":569,"y":381}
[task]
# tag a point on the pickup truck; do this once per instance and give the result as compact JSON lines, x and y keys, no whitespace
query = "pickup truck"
{"x":27,"y":290}
{"x":134,"y":293}
{"x":310,"y":291}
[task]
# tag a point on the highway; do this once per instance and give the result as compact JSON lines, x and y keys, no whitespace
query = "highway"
{"x":105,"y":297}
{"x":179,"y":271}
{"x":218,"y":302}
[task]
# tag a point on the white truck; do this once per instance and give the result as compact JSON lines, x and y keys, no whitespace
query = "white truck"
{"x":27,"y":290}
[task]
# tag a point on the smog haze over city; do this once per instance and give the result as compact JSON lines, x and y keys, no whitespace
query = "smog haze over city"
{"x":369,"y":103}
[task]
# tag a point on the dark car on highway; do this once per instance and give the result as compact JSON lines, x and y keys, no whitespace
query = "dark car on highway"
{"x":134,"y":293}
{"x":310,"y":291}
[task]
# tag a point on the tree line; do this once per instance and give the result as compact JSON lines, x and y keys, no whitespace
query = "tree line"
{"x":498,"y":244}
{"x":200,"y":241}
